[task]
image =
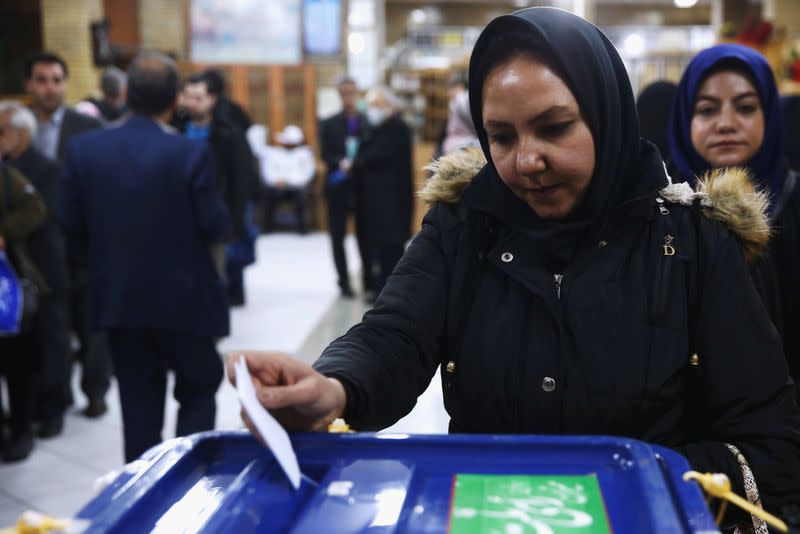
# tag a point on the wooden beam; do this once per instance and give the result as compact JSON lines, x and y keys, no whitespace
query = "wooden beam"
{"x":310,"y":105}
{"x":276,"y":96}
{"x":240,"y":90}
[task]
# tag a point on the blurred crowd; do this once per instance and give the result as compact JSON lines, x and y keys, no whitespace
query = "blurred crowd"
{"x":129,"y":219}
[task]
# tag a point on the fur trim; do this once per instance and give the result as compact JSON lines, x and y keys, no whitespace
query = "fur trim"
{"x":740,"y":206}
{"x":727,"y":196}
{"x":451,"y":174}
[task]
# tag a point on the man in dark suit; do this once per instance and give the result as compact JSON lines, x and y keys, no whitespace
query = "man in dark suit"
{"x":339,"y":139}
{"x":46,"y":77}
{"x":48,"y":252}
{"x":46,"y":82}
{"x":142,"y":201}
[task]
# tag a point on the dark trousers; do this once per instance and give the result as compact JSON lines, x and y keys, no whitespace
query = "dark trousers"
{"x":18,"y":362}
{"x":274,"y":195}
{"x":141,"y":361}
{"x":55,"y":357}
{"x":338,"y":198}
{"x":93,"y":353}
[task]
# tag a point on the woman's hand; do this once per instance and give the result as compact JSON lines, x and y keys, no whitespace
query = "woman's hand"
{"x":297,"y":396}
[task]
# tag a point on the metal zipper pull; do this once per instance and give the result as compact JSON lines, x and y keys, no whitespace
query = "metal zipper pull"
{"x":558,"y":278}
{"x":669,"y":249}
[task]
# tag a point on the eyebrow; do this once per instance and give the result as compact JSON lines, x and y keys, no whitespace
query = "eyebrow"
{"x":737,"y":97}
{"x":545,"y":115}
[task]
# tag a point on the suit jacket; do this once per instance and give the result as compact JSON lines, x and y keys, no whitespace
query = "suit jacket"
{"x":74,"y":124}
{"x":46,"y":245}
{"x":333,"y":132}
{"x":142,"y":200}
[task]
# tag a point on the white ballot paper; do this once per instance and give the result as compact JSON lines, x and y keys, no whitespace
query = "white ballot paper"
{"x":266,"y":425}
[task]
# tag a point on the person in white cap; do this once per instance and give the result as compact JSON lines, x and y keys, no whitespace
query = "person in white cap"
{"x":287,"y":171}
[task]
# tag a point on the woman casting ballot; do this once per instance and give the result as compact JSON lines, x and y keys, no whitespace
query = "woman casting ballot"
{"x":564,"y":286}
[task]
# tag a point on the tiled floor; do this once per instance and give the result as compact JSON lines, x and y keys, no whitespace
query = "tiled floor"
{"x":293,"y":306}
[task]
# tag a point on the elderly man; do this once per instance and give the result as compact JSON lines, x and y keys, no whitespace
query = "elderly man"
{"x":113,"y":84}
{"x":21,"y":213}
{"x":384,"y":189}
{"x":47,"y":250}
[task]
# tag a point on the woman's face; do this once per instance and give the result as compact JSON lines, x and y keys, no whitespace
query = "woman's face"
{"x":540,"y":144}
{"x":728,"y":121}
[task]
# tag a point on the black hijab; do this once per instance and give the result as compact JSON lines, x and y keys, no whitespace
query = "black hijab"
{"x":653,"y":105}
{"x":593,"y":71}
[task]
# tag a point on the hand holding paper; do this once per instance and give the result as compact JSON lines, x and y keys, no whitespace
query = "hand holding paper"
{"x":266,"y":426}
{"x":298,"y":396}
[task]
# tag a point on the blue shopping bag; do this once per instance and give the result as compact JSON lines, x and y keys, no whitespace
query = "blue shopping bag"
{"x":10,"y":298}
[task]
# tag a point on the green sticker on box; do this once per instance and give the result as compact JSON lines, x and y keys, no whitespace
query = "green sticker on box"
{"x":541,"y":504}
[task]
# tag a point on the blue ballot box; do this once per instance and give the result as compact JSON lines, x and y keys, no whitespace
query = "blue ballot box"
{"x":227,"y":482}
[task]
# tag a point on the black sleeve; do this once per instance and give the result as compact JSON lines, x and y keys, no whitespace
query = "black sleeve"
{"x":384,"y":150}
{"x":211,"y":214}
{"x":388,"y":360}
{"x":744,"y":396}
{"x":765,"y":279}
{"x":331,"y":148}
{"x":238,"y":167}
{"x":406,"y":152}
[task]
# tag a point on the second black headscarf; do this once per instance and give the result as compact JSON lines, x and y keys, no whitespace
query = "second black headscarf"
{"x":625,"y":166}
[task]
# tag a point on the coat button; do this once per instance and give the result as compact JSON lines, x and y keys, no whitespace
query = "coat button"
{"x":602,"y":244}
{"x":451,"y":367}
{"x":507,"y":257}
{"x":548,"y":384}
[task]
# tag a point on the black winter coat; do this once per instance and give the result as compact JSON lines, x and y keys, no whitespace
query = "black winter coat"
{"x":383,"y":180}
{"x":46,"y":246}
{"x":654,"y":331}
{"x":785,"y":257}
{"x":235,"y":170}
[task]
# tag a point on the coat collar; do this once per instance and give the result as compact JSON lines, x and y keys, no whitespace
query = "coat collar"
{"x":727,"y":196}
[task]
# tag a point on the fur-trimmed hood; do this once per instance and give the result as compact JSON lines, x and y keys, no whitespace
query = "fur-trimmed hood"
{"x":728,"y":196}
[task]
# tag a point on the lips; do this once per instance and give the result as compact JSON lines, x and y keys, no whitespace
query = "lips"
{"x":727,"y":144}
{"x":543,"y":193}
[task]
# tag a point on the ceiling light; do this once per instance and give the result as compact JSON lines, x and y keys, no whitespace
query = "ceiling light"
{"x":356,"y":43}
{"x":633,"y":45}
{"x":685,"y":3}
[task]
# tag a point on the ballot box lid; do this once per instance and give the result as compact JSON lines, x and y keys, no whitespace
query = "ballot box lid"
{"x":218,"y":482}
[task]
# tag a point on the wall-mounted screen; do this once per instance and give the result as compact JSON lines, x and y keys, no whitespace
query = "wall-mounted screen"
{"x":322,"y":27}
{"x":246,"y":31}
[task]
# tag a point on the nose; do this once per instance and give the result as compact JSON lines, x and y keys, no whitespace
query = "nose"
{"x":529,"y":157}
{"x":726,"y":122}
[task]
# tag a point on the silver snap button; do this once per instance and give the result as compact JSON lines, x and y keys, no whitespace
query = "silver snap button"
{"x":507,"y":257}
{"x":548,"y":384}
{"x":602,"y":244}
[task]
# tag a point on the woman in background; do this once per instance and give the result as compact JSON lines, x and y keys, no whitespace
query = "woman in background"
{"x":727,"y":113}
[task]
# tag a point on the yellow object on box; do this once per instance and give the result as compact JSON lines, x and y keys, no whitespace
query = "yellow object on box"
{"x":35,"y":523}
{"x":338,"y":426}
{"x":719,"y":486}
